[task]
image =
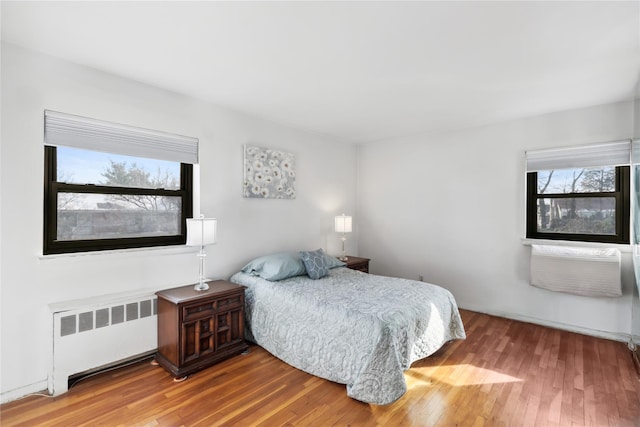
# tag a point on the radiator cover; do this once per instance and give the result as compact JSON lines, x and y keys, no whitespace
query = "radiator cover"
{"x":100,"y":331}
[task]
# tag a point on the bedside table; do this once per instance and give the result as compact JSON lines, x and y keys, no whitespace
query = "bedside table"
{"x":356,"y":263}
{"x":199,"y":328}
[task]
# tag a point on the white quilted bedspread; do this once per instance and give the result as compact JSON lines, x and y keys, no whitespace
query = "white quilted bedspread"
{"x":353,"y":328}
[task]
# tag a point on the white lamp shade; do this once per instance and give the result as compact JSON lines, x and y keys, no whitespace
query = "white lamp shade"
{"x":343,"y":224}
{"x":201,"y":231}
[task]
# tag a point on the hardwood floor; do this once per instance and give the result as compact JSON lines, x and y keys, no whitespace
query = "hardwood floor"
{"x":506,"y":373}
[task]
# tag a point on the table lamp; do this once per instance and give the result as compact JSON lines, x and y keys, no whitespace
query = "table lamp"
{"x":343,"y":225}
{"x":200,"y":232}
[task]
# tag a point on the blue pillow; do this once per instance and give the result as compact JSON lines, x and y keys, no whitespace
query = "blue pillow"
{"x":332,"y":262}
{"x":275,"y":267}
{"x":315,"y":263}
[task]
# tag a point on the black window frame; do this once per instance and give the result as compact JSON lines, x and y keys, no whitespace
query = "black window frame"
{"x":52,"y":188}
{"x":622,"y":216}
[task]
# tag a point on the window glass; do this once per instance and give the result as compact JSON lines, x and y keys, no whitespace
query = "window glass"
{"x":100,"y":201}
{"x":583,"y":180}
{"x":577,"y":215}
{"x":76,"y":166}
{"x":583,"y":204}
{"x":111,"y":216}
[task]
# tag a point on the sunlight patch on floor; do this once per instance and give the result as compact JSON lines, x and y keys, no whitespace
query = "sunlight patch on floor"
{"x":457,"y":375}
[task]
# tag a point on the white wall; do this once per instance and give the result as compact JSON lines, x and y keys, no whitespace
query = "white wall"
{"x":635,"y":312}
{"x":451,"y":208}
{"x":31,"y":83}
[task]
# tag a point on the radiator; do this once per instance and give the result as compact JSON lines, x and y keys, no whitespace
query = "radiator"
{"x":102,"y":331}
{"x":581,"y":271}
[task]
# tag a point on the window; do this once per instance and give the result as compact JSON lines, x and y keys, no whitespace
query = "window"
{"x":110,"y":186}
{"x":635,"y":162}
{"x":579,"y":193}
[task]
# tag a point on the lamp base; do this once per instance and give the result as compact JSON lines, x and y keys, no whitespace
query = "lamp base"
{"x":343,"y":258}
{"x":201,"y":287}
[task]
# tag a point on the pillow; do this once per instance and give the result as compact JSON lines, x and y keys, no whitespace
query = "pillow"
{"x":315,"y":263}
{"x":332,"y":262}
{"x":275,"y":267}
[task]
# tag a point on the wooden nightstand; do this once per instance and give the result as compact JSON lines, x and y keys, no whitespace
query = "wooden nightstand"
{"x":360,"y":264}
{"x":198,"y":329}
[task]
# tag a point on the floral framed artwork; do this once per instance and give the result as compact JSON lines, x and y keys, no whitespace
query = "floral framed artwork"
{"x":268,"y":173}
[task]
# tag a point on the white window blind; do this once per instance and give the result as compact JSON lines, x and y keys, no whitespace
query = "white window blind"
{"x":635,"y":152}
{"x":61,"y":129}
{"x":615,"y":153}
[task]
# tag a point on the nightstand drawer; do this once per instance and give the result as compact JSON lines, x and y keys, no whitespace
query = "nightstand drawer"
{"x":230,"y":302}
{"x":197,"y":311}
{"x":364,"y":267}
{"x":357,"y":263}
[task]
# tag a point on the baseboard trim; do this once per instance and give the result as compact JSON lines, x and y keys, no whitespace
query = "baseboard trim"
{"x":551,"y":324}
{"x":18,"y":393}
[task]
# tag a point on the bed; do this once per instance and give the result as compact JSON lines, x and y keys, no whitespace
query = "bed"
{"x":346,"y":326}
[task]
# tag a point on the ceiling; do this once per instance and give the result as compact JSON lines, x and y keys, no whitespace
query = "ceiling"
{"x":359,"y":71}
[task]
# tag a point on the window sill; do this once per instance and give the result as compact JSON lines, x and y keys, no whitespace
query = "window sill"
{"x":128,"y":253}
{"x":620,"y":247}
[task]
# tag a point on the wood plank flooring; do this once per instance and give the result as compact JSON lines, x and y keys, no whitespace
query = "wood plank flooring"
{"x":506,"y":373}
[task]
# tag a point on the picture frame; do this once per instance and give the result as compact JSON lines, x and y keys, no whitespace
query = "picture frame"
{"x":268,"y":173}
